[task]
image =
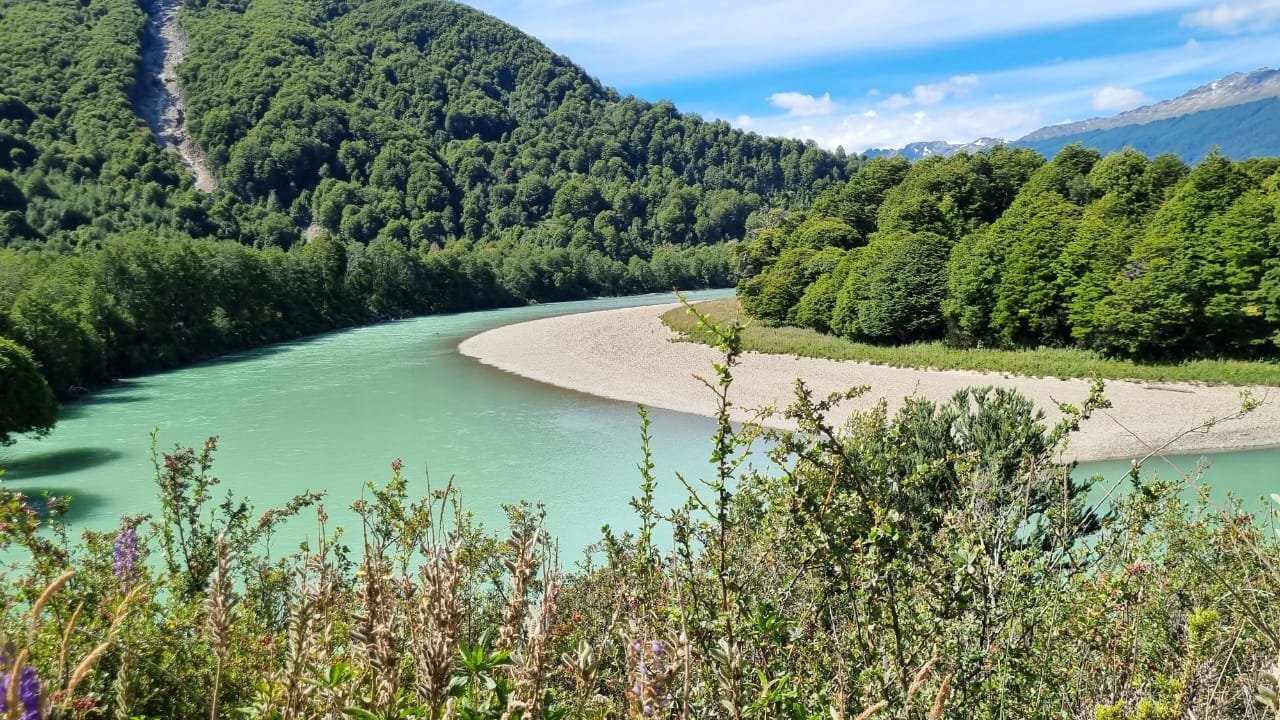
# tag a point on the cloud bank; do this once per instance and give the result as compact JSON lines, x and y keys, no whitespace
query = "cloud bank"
{"x":1238,"y":17}
{"x":653,"y":41}
{"x":1010,"y":103}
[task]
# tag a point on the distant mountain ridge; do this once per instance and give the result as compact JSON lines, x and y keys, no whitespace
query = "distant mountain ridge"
{"x":1235,"y":89}
{"x":1239,"y":114}
{"x":921,"y":150}
{"x":1239,"y":132}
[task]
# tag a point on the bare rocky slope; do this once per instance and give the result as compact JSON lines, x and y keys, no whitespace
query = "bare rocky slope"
{"x":158,"y":97}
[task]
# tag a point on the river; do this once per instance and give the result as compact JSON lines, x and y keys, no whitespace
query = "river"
{"x":332,"y":412}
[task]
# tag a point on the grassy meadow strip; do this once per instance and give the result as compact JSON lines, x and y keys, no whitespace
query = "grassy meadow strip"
{"x":1040,"y":362}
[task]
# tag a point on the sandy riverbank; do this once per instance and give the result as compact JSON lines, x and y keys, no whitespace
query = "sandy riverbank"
{"x":630,"y":355}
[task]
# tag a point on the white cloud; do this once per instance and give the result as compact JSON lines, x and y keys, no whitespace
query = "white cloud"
{"x":932,"y":93}
{"x":652,"y":41}
{"x":897,"y":101}
{"x":937,"y":92}
{"x":1237,"y":17}
{"x":1011,"y":103}
{"x":859,"y":131}
{"x":802,"y":105}
{"x":1116,"y":99}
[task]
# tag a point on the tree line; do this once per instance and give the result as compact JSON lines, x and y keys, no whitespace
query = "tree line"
{"x":1128,"y":256}
{"x":139,"y":304}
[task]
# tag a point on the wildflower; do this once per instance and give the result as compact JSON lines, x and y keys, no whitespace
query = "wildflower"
{"x":1139,"y":569}
{"x":651,"y":673}
{"x":29,"y":693}
{"x":125,"y":557}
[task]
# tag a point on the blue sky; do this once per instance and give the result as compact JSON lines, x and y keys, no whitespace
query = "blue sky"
{"x":881,"y":74}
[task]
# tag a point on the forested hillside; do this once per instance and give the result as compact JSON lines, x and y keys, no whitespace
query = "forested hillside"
{"x":1138,"y":258}
{"x":374,"y":160}
{"x":74,"y":166}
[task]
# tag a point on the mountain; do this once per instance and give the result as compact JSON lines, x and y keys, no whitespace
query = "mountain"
{"x":934,"y":148}
{"x":1234,"y":89}
{"x":435,"y":117}
{"x":1238,"y":114}
{"x":423,"y":120}
{"x":1239,"y":131}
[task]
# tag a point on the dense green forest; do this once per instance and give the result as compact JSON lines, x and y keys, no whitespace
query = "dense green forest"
{"x":374,"y":160}
{"x":428,"y":120}
{"x":1129,"y":256}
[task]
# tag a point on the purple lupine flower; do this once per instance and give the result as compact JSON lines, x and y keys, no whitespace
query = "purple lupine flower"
{"x":29,"y":693}
{"x":657,"y":647}
{"x":4,"y":692}
{"x":125,"y":556}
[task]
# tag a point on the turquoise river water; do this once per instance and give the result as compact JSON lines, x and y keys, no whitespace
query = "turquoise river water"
{"x":332,"y":412}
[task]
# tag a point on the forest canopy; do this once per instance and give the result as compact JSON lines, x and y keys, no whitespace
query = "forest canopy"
{"x":1125,"y":255}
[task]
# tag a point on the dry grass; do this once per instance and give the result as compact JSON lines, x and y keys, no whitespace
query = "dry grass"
{"x":1041,"y":362}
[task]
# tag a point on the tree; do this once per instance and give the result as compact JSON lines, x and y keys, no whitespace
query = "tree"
{"x":818,"y":303}
{"x":1030,"y":308}
{"x":27,"y":405}
{"x":1067,"y":175}
{"x":1091,"y":262}
{"x":1156,"y":307}
{"x":902,"y":292}
{"x":857,"y":201}
{"x":820,"y":232}
{"x":973,"y":273}
{"x":771,"y":295}
{"x":53,"y":318}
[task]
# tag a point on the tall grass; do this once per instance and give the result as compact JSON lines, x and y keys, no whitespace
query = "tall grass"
{"x":1041,"y":362}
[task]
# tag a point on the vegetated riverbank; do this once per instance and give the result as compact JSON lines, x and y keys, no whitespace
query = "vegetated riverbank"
{"x":1041,"y":362}
{"x":631,"y":355}
{"x":157,"y":96}
{"x":938,"y":565}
